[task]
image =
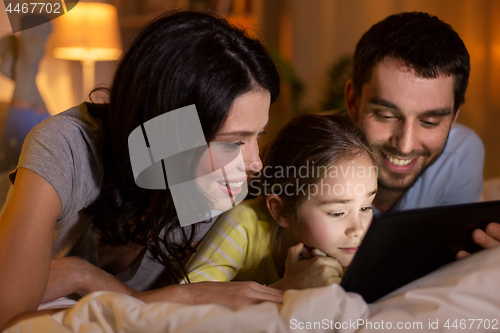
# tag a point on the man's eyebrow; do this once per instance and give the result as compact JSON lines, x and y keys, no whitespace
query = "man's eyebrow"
{"x":443,"y":112}
{"x":382,"y":102}
{"x":439,"y":112}
{"x":371,"y":193}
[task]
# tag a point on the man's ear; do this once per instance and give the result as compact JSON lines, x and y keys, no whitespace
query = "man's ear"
{"x":275,"y":206}
{"x":350,"y":100}
{"x":455,"y":117}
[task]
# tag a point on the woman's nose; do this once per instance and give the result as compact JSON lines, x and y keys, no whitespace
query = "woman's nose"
{"x":251,"y":158}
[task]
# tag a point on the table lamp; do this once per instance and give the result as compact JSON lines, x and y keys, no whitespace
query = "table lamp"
{"x":88,"y":33}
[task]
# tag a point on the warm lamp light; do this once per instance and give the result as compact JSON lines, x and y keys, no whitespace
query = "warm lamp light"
{"x":88,"y":33}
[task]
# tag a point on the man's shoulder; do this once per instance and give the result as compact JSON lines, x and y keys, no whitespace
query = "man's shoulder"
{"x":463,"y":139}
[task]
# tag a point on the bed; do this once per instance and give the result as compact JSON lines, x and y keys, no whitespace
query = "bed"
{"x":461,"y":297}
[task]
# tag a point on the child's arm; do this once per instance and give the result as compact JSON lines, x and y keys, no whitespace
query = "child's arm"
{"x":222,"y":253}
{"x":317,"y":271}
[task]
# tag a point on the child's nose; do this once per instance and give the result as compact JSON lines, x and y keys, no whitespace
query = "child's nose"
{"x":357,"y":228}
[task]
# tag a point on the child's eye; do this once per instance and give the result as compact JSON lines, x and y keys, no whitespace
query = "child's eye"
{"x":336,"y":215}
{"x":366,"y":209}
{"x":239,"y":143}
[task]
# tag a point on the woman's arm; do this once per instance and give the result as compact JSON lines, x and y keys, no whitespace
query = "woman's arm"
{"x":76,"y":275}
{"x":230,"y":294}
{"x":26,"y":237}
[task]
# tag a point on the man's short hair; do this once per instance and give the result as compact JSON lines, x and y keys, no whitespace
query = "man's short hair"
{"x":423,"y":42}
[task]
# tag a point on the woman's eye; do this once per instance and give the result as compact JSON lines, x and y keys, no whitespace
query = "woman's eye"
{"x":336,"y":215}
{"x":261,"y":133}
{"x":366,"y":209}
{"x":228,"y":147}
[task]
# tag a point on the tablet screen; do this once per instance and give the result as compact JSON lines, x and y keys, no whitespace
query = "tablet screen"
{"x":403,"y":246}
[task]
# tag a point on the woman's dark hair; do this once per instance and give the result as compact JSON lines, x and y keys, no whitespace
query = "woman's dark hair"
{"x":177,"y":60}
{"x":301,"y":155}
{"x":422,"y":42}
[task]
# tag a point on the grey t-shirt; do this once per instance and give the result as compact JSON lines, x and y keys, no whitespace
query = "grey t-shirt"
{"x":63,"y":150}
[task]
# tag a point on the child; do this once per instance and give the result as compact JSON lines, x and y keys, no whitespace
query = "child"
{"x":316,"y":190}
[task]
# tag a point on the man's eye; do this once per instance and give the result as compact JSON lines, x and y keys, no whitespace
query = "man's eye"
{"x":336,"y":215}
{"x":384,"y":116}
{"x":429,"y":124}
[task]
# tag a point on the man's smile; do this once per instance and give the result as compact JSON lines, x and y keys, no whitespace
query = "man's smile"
{"x":400,"y":165}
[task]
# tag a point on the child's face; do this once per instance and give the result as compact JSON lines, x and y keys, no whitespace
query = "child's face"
{"x":335,"y":220}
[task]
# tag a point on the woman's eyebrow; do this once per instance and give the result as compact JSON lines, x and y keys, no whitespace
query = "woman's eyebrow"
{"x":238,"y":133}
{"x":244,"y":133}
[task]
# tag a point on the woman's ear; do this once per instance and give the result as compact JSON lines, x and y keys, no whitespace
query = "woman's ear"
{"x":275,"y":206}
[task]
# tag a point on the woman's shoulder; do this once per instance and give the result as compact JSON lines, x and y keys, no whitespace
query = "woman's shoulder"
{"x":64,"y":151}
{"x":74,"y":119}
{"x":69,"y":138}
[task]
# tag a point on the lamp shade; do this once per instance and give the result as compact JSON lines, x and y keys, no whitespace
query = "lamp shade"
{"x":89,"y":31}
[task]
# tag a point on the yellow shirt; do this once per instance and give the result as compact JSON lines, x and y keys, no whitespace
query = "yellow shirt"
{"x":236,"y":248}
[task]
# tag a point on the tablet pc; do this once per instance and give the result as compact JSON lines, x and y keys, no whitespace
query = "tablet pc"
{"x":403,"y":246}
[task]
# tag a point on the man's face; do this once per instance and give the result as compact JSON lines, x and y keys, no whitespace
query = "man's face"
{"x":406,"y":119}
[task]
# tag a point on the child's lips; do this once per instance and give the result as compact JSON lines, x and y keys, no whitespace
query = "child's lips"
{"x":349,"y":250}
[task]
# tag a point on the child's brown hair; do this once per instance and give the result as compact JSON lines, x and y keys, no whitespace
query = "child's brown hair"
{"x":309,"y":144}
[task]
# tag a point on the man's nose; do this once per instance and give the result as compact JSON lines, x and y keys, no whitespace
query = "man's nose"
{"x":404,"y":137}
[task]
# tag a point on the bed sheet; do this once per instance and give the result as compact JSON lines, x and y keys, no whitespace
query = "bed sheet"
{"x":465,"y":290}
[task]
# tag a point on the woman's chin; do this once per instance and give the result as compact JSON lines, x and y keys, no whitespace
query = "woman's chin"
{"x":224,"y":204}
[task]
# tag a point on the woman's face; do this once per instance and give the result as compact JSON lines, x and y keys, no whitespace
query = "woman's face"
{"x":248,"y":116}
{"x":339,"y":211}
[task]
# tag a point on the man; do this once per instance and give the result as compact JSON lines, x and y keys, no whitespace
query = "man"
{"x":410,"y":75}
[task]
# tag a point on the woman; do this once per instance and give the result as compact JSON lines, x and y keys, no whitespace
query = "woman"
{"x":74,"y":191}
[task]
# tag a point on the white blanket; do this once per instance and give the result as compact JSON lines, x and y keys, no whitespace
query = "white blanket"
{"x":461,"y":293}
